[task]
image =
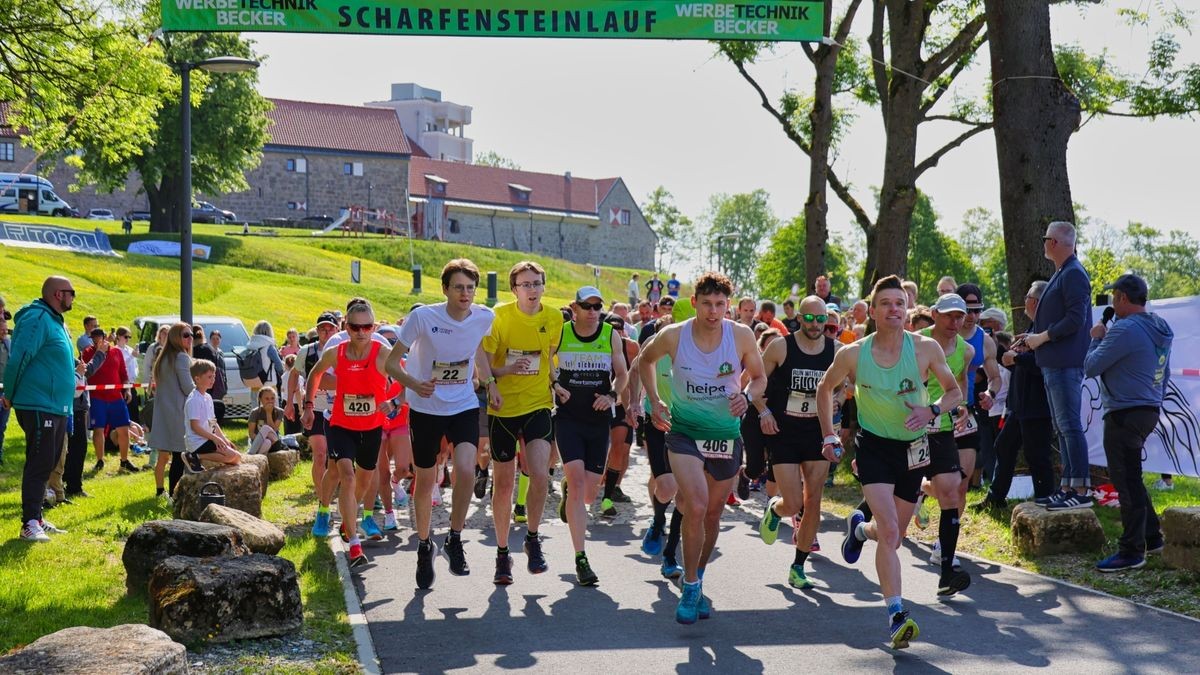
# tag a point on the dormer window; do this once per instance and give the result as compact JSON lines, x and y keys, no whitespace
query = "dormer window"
{"x":520,"y":192}
{"x":437,"y":184}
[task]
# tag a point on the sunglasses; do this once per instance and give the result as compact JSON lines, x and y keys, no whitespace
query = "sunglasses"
{"x":185,"y":337}
{"x":977,"y":310}
{"x":1044,"y":239}
{"x":591,"y":305}
{"x":360,"y":327}
{"x":819,"y":318}
{"x":832,"y":329}
{"x":67,"y":290}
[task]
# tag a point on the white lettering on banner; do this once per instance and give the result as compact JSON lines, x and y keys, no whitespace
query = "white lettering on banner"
{"x":59,"y":238}
{"x":1174,"y":445}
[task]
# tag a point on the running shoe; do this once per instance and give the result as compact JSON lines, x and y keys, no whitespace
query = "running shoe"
{"x":797,"y":579}
{"x":519,"y":513}
{"x":733,"y":500}
{"x":607,"y":509}
{"x":652,"y":543}
{"x":389,"y":521}
{"x":533,"y":549}
{"x":851,"y":546}
{"x":371,"y":528}
{"x":562,"y":504}
{"x":949,"y":584}
{"x":670,"y":569}
{"x":503,"y":575}
{"x":935,"y":557}
{"x":584,"y":573}
{"x":49,"y":528}
{"x":357,"y":557}
{"x":1119,"y":562}
{"x":903,"y":631}
{"x":344,"y":532}
{"x":32,"y":531}
{"x":399,"y":496}
{"x":919,"y":516}
{"x":1161,"y":484}
{"x":98,"y":466}
{"x":743,"y":486}
{"x":768,"y":525}
{"x":705,"y":608}
{"x":620,"y":497}
{"x":481,"y":481}
{"x":1071,"y":500}
{"x":688,"y":610}
{"x":1155,"y":545}
{"x":128,"y":467}
{"x":191,"y":461}
{"x":756,"y":485}
{"x":453,"y":550}
{"x":426,"y":552}
{"x":320,"y":528}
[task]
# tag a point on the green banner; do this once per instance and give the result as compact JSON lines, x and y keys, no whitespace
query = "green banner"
{"x":760,"y":20}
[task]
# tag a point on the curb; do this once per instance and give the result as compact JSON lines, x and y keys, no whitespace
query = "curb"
{"x":367,"y":658}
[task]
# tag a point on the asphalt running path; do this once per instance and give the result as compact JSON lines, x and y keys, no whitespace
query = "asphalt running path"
{"x":1007,"y":621}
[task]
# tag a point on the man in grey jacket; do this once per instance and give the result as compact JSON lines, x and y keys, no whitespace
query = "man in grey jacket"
{"x":1132,"y":360}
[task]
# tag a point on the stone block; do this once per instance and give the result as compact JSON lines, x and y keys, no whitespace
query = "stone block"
{"x":242,"y":485}
{"x":259,"y":535}
{"x":128,"y":649}
{"x":264,"y":469}
{"x":156,"y":540}
{"x":222,"y":599}
{"x":1038,"y":532}
{"x":1181,"y":530}
{"x":283,"y":463}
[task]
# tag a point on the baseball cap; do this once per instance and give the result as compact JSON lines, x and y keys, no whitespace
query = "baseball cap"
{"x":329,"y":318}
{"x":964,"y":290}
{"x":586,"y":292}
{"x":1131,"y":285}
{"x":950,"y":302}
{"x":667,"y":301}
{"x":995,"y":314}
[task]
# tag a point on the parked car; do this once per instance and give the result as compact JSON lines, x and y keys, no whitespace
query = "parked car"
{"x":233,"y":336}
{"x":100,"y":214}
{"x":137,"y":215}
{"x":205,"y":212}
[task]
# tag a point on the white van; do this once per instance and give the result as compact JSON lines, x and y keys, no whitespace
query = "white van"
{"x":233,"y":336}
{"x":37,"y":192}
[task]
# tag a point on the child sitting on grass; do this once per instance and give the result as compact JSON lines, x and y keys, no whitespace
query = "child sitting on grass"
{"x":203,"y":437}
{"x":264,"y":422}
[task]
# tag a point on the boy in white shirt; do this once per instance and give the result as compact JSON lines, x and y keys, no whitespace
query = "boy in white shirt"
{"x":203,"y":436}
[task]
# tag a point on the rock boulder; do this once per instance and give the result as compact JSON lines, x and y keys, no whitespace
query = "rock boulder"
{"x":264,"y":469}
{"x":1038,"y":532}
{"x":223,"y":599}
{"x":242,"y":485}
{"x":259,"y":535}
{"x":1181,"y":530}
{"x":283,"y":463}
{"x":129,"y":649}
{"x":156,"y":540}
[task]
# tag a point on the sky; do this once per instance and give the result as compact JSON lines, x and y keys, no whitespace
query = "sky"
{"x":670,"y":113}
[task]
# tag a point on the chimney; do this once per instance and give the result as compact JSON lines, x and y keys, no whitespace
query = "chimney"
{"x":567,"y":190}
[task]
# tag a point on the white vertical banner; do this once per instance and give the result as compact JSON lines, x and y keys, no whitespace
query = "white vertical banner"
{"x":1174,"y":447}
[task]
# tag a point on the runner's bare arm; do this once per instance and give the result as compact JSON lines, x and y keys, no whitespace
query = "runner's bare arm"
{"x":772,"y":359}
{"x":840,"y":371}
{"x":327,"y":361}
{"x":483,"y":366}
{"x":381,"y":359}
{"x":992,"y":368}
{"x":752,"y":364}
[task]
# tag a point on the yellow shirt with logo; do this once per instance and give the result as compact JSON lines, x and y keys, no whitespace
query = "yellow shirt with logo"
{"x":516,"y":334}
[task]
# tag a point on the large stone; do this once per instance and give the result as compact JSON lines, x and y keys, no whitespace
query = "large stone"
{"x":259,"y":535}
{"x":156,"y":540}
{"x":283,"y":463}
{"x":264,"y":469}
{"x":1037,"y":532}
{"x":1181,"y":530}
{"x":242,"y":485}
{"x":221,"y":599}
{"x":129,"y":649}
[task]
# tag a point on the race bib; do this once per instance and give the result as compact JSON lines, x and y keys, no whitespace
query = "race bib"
{"x":354,"y":405}
{"x":971,"y":427}
{"x":450,"y":373}
{"x":719,"y":449}
{"x":801,"y":404}
{"x":918,"y":453}
{"x":935,"y":424}
{"x":535,"y":360}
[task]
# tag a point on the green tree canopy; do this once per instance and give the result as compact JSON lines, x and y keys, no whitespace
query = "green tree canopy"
{"x":739,"y":228}
{"x":493,"y":158}
{"x":932,"y":254}
{"x":677,"y":236}
{"x":783,"y":263}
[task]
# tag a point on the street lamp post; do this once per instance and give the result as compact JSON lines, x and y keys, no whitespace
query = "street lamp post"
{"x":218,"y":64}
{"x":721,"y":237}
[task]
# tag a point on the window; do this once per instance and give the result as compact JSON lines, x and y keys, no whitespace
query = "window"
{"x":291,"y":206}
{"x":290,"y":165}
{"x":6,"y":152}
{"x":358,"y":169}
{"x":347,"y":169}
{"x":454,"y":227}
{"x":439,"y":188}
{"x":301,"y":165}
{"x":624,"y":216}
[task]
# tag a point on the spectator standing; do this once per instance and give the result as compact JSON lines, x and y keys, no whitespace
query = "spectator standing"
{"x":221,"y":388}
{"x":1059,"y":339}
{"x":673,"y":286}
{"x":77,"y":443}
{"x":173,"y":385}
{"x":1133,"y":362}
{"x":109,"y":407}
{"x":263,"y":341}
{"x":40,"y":384}
{"x":5,"y":350}
{"x":90,"y":323}
{"x":635,"y":290}
{"x":654,"y":289}
{"x":291,"y":345}
{"x":822,"y":289}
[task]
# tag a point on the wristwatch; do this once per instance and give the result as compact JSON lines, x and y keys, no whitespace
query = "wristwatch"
{"x":935,"y":409}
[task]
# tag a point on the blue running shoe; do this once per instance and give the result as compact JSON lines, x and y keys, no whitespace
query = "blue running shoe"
{"x":320,"y":528}
{"x":371,"y":528}
{"x":705,"y":609}
{"x":671,"y":569}
{"x":904,"y":630}
{"x":652,"y":543}
{"x":851,"y":546}
{"x":688,"y":610}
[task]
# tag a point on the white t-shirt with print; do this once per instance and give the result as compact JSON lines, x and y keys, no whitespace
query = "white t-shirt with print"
{"x":443,"y":350}
{"x":199,"y":406}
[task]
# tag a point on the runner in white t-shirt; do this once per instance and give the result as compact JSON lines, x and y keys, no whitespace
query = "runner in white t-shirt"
{"x":443,"y":347}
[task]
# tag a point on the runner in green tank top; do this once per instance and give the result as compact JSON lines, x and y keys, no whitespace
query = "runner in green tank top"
{"x":888,"y":370}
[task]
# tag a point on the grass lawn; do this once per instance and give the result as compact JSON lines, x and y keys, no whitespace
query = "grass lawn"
{"x":987,"y":534}
{"x":78,"y":579}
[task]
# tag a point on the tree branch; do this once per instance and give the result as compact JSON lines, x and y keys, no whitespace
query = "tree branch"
{"x":960,"y":46}
{"x":932,"y":160}
{"x":878,"y":62}
{"x":959,"y":66}
{"x":952,"y":118}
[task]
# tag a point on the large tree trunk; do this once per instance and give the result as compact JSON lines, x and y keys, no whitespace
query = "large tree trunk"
{"x":164,"y":200}
{"x":1035,"y":115}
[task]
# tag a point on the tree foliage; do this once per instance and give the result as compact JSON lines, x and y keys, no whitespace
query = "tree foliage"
{"x":677,"y":236}
{"x":1170,"y":262}
{"x":739,"y":228}
{"x":782,"y":265}
{"x":982,"y":239}
{"x":493,"y":158}
{"x":933,"y":254}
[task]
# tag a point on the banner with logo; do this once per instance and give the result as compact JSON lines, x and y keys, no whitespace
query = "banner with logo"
{"x":169,"y":249}
{"x":759,"y":20}
{"x":1174,"y":447}
{"x":25,"y":235}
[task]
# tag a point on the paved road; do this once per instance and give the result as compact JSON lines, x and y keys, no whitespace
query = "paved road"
{"x":1008,"y":621}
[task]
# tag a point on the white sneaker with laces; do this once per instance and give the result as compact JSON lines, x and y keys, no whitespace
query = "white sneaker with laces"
{"x":32,"y":531}
{"x":49,"y":528}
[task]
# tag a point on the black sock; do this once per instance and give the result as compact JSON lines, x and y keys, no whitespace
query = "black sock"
{"x":948,"y":535}
{"x":424,"y":543}
{"x":660,"y":513}
{"x":531,"y":535}
{"x":674,"y":533}
{"x":454,"y":535}
{"x":801,"y":556}
{"x":611,"y":476}
{"x":866,"y":511}
{"x":158,"y":491}
{"x":501,"y":550}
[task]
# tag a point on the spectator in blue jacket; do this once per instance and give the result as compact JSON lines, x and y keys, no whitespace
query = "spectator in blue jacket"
{"x":1133,"y":361}
{"x":1059,"y":338}
{"x":39,"y":383}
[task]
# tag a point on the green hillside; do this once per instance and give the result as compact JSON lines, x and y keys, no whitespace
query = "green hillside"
{"x":287,"y":280}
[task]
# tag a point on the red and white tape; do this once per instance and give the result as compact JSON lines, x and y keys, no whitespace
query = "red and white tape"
{"x":111,"y":387}
{"x":1186,"y":372}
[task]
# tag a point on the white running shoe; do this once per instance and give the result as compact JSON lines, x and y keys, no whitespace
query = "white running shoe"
{"x":32,"y":531}
{"x":389,"y":521}
{"x":49,"y":528}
